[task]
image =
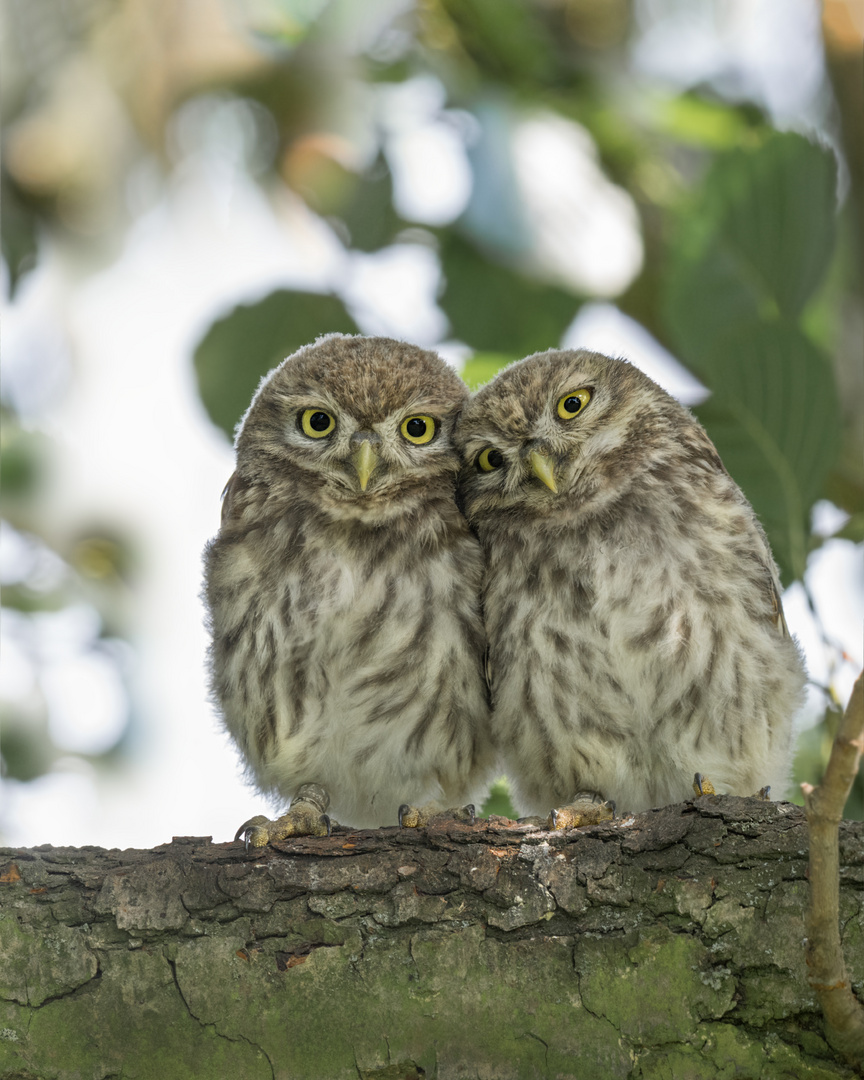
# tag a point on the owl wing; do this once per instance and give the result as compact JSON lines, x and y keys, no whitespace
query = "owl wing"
{"x":703,"y":452}
{"x":230,"y":496}
{"x":778,"y":618}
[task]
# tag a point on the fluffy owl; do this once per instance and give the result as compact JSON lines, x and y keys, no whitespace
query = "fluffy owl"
{"x":343,"y":591}
{"x":631,"y":600}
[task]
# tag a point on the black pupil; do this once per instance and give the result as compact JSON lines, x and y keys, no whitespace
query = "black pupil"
{"x":319,"y":421}
{"x":495,"y":459}
{"x":416,"y":427}
{"x":572,"y":404}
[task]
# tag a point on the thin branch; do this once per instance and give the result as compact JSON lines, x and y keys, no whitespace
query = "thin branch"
{"x":844,"y":1014}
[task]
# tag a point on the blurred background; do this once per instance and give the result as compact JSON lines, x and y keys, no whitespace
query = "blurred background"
{"x":193,"y":190}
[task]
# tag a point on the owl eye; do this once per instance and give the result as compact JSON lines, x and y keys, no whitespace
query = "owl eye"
{"x":490,"y":459}
{"x":316,"y":423}
{"x":573,"y":403}
{"x":418,"y":429}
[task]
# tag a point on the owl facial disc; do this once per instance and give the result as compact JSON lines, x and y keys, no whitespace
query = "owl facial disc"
{"x":364,"y":460}
{"x":542,"y":468}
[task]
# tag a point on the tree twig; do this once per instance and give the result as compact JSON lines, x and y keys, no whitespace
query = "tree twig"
{"x":844,"y":1014}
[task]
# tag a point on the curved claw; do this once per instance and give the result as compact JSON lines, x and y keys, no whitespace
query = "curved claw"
{"x":579,"y":813}
{"x":249,"y":827}
{"x":414,"y":817}
{"x":702,"y":785}
{"x":306,"y":817}
{"x":409,"y":816}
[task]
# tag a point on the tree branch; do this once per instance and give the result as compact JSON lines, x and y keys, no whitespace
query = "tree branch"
{"x":844,"y":1014}
{"x":665,"y":944}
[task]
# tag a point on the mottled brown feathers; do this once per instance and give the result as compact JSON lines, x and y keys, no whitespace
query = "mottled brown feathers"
{"x":635,"y":629}
{"x":347,"y":641}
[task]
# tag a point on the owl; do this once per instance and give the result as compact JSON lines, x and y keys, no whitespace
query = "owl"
{"x":631,"y":601}
{"x":347,"y":643}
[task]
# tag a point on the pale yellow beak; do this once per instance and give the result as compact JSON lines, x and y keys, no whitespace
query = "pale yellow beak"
{"x":541,"y":466}
{"x":364,"y":459}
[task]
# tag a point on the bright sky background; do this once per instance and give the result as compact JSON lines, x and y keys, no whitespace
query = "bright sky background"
{"x":136,"y":447}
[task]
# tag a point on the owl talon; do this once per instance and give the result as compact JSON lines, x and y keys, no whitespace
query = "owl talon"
{"x":305,"y":818}
{"x":702,"y":785}
{"x":254,"y":824}
{"x":586,"y":809}
{"x":416,"y":817}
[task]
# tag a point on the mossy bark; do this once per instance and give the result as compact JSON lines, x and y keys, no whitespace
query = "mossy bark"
{"x":669,"y":945}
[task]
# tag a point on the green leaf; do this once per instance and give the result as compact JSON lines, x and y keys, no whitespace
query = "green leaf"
{"x":481,"y":367}
{"x":750,"y":252}
{"x":757,"y":243}
{"x":368,"y":210}
{"x":779,"y":220}
{"x":692,"y":119}
{"x":243,"y":346}
{"x":853,"y":529}
{"x":775,"y":420}
{"x":505,"y":38}
{"x":494,"y":309}
{"x":23,"y":458}
{"x":18,"y":230}
{"x":704,"y":301}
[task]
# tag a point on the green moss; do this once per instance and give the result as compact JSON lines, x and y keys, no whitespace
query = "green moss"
{"x":135,"y":1023}
{"x":727,"y":1052}
{"x":657,"y":990}
{"x":432,"y":997}
{"x":41,"y":964}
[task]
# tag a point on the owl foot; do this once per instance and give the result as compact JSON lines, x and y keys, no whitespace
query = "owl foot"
{"x":417,"y":817}
{"x":586,"y":808}
{"x":703,"y":786}
{"x":306,"y":817}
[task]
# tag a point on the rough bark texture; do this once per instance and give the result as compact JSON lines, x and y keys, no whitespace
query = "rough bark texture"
{"x":670,"y":945}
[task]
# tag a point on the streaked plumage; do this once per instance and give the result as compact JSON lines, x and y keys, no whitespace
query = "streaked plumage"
{"x":634,"y":621}
{"x":343,"y":586}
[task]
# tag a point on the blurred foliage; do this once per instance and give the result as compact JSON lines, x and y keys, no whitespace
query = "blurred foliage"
{"x":754,"y":242}
{"x":497,"y":310}
{"x":498,"y":801}
{"x":242,"y":347}
{"x":52,"y":573}
{"x":749,"y":276}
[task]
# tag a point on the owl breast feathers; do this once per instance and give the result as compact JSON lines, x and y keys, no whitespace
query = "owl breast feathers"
{"x":343,"y":586}
{"x":631,"y":601}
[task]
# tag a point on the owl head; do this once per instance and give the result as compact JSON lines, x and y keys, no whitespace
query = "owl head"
{"x":353,"y":422}
{"x":562,"y":429}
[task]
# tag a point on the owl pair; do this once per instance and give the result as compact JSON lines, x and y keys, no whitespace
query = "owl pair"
{"x":382,"y":527}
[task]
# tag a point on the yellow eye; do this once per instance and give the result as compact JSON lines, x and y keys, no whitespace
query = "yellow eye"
{"x":316,"y":423}
{"x":418,"y":429}
{"x":573,"y":403}
{"x":490,"y":459}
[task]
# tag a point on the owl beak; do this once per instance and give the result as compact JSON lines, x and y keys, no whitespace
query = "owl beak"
{"x":541,"y":466}
{"x":364,"y":460}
